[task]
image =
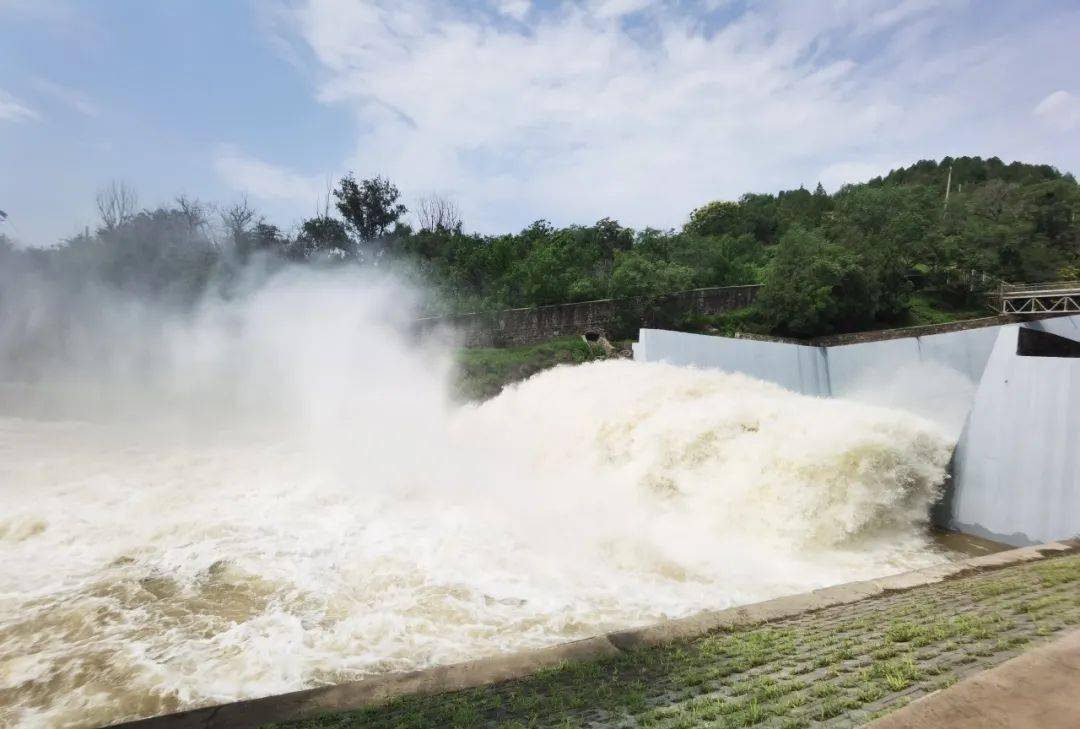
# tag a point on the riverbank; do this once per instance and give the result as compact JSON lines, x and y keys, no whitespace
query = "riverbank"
{"x":482,"y":372}
{"x":838,"y":667}
{"x":835,"y":657}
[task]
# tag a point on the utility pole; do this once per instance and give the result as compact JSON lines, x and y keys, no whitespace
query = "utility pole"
{"x":948,"y":184}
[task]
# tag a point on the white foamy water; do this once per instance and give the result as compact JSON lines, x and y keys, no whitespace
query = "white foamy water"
{"x":288,"y":499}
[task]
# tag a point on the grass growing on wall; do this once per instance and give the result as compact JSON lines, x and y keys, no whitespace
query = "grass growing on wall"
{"x":727,"y":324}
{"x":928,"y":308}
{"x":484,"y":371}
{"x":924,"y":309}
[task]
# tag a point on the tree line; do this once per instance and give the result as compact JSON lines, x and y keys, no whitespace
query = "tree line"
{"x":828,"y":263}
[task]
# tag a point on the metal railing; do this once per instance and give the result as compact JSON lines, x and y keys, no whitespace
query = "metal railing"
{"x":1047,"y":297}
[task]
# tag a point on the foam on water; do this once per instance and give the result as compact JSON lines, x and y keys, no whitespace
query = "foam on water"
{"x":288,"y":499}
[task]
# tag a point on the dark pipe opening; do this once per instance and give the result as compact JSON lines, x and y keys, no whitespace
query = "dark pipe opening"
{"x":1037,"y":343}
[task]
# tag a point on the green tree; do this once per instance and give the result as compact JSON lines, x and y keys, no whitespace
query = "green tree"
{"x":322,"y":235}
{"x":716,"y":260}
{"x":815,"y":287}
{"x":369,"y":207}
{"x":716,"y":218}
{"x":636,"y":275}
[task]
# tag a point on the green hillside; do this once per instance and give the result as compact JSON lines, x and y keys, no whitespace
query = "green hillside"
{"x":921,"y":244}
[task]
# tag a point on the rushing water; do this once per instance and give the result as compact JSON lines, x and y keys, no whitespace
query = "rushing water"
{"x":317,"y":511}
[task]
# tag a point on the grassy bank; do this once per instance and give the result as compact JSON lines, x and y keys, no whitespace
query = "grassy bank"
{"x":841,"y":666}
{"x":924,"y":308}
{"x":484,"y":371}
{"x":927,"y":308}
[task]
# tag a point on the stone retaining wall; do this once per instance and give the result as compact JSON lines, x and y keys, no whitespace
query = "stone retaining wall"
{"x":537,"y":324}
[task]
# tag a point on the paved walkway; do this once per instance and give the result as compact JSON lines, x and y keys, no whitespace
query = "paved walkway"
{"x":842,"y":666}
{"x":1039,"y":689}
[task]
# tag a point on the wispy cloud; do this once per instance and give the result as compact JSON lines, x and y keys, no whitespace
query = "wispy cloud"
{"x":71,"y":97}
{"x":643,"y":109}
{"x":69,"y":19}
{"x":516,"y":9}
{"x":41,"y":10}
{"x":13,"y":110}
{"x":1060,"y":110}
{"x":619,"y":8}
{"x":834,"y":175}
{"x":263,"y":180}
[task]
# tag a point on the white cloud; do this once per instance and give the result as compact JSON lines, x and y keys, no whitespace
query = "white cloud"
{"x":71,"y":23}
{"x":586,"y":112}
{"x":13,"y":110}
{"x":838,"y":174}
{"x":1060,"y":110}
{"x":619,"y":8}
{"x":516,"y":9}
{"x":263,"y":180}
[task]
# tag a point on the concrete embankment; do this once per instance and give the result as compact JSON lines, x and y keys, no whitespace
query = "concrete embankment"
{"x":847,"y":651}
{"x":1015,"y":409}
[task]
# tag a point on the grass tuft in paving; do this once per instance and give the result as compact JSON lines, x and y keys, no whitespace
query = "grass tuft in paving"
{"x":841,"y":666}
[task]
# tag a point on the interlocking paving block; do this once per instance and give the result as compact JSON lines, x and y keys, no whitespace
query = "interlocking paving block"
{"x":838,"y":666}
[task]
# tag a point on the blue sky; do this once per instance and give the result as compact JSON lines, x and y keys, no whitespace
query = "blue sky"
{"x":517,"y":109}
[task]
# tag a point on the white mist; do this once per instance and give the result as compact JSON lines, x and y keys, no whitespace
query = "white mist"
{"x":278,"y":492}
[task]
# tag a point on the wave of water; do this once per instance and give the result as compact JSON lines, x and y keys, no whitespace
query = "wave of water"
{"x":318,"y":511}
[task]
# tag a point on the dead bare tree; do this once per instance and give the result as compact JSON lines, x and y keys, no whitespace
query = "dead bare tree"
{"x":116,"y":204}
{"x":236,"y":219}
{"x":435,"y":212}
{"x":194,"y":212}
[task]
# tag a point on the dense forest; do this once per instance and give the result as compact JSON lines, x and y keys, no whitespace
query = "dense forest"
{"x":862,"y":257}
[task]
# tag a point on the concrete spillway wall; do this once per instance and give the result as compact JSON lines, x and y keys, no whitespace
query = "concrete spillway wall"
{"x":1016,"y":472}
{"x":793,"y":366}
{"x":820,"y":370}
{"x":1016,"y":475}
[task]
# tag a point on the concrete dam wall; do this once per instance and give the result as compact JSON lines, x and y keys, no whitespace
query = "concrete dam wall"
{"x":1016,"y":469}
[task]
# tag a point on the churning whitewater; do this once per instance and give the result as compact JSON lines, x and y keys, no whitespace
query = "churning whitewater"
{"x":277,"y":493}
